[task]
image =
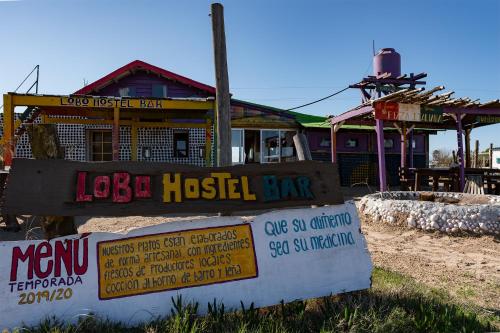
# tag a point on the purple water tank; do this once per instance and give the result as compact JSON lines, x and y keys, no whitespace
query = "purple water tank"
{"x":387,"y":60}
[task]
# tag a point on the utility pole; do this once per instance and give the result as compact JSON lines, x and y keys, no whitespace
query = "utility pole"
{"x":222,"y":97}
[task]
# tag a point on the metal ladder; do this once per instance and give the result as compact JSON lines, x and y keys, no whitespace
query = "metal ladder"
{"x":31,"y":113}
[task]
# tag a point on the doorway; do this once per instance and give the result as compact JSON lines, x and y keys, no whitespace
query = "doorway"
{"x":252,"y":146}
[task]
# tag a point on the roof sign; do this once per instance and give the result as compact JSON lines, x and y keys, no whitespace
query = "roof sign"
{"x":407,"y":112}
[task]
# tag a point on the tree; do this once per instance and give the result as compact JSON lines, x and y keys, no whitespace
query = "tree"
{"x":441,"y":158}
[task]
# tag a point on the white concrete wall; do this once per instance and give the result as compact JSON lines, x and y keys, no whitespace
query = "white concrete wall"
{"x":496,"y":159}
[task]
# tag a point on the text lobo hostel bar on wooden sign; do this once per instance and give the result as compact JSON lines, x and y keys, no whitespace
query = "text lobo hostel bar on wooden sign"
{"x":59,"y":187}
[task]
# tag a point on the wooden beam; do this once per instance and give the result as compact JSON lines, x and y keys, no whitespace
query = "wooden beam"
{"x":223,"y":98}
{"x":99,"y":102}
{"x":403,"y":145}
{"x":116,"y":134}
{"x":460,"y":151}
{"x":57,"y":120}
{"x":333,"y":143}
{"x":302,"y":147}
{"x":208,"y":143}
{"x":160,"y":124}
{"x":467,"y":149}
{"x":164,"y":124}
{"x":491,"y":155}
{"x":133,"y":141}
{"x":8,"y":130}
{"x":127,"y":113}
{"x":476,"y":155}
{"x":379,"y":128}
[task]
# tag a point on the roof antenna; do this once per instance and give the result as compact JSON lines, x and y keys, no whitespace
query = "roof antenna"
{"x":373,"y":46}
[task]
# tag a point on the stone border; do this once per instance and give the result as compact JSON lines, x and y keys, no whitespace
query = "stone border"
{"x":404,"y":208}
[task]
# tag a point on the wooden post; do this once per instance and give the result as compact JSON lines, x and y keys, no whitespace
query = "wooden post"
{"x":476,"y":155}
{"x":302,"y":147}
{"x":44,"y":143}
{"x":335,"y":128}
{"x":208,"y":143}
{"x":116,"y":134}
{"x":379,"y":128}
{"x":133,"y":140}
{"x":403,"y":146}
{"x":223,"y":98}
{"x":333,"y":143}
{"x":467,"y":149}
{"x":8,"y":130}
{"x":491,"y":155}
{"x":460,"y":152}
{"x":410,"y":148}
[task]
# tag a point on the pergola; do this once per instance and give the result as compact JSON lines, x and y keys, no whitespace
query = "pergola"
{"x":101,"y":110}
{"x":409,"y":107}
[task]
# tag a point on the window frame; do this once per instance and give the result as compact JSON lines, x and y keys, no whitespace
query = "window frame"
{"x":388,"y":146}
{"x":102,"y":152}
{"x":174,"y":141}
{"x":164,"y":89}
{"x":347,"y":145}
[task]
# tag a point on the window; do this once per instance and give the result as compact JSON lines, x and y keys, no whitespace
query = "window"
{"x":287,"y":146}
{"x":262,"y":146}
{"x":159,"y":90}
{"x":498,"y":160}
{"x":277,"y":146}
{"x":237,"y":146}
{"x":270,"y":144}
{"x":388,"y":143}
{"x":101,"y":146}
{"x":127,"y":92}
{"x":325,"y":142}
{"x":181,"y":144}
{"x":351,"y":143}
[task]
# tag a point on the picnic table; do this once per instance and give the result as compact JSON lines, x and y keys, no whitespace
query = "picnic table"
{"x":488,"y":180}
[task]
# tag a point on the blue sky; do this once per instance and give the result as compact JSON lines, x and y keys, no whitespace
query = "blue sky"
{"x":280,"y":53}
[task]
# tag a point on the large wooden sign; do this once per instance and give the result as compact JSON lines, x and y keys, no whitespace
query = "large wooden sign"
{"x":66,"y":188}
{"x":283,"y":255}
{"x":407,"y":112}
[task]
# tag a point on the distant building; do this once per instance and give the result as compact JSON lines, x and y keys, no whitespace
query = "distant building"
{"x":496,"y":158}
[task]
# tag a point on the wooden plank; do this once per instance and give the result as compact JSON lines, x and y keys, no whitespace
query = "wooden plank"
{"x":100,"y":102}
{"x":8,"y":130}
{"x":208,"y":143}
{"x":302,"y":147}
{"x":116,"y":134}
{"x":125,"y":113}
{"x":133,"y":141}
{"x":162,"y":124}
{"x":68,"y":188}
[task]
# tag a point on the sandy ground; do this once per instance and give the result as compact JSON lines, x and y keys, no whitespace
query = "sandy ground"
{"x":467,"y":267}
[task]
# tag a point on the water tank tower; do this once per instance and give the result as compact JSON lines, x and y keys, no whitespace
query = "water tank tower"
{"x":387,"y":60}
